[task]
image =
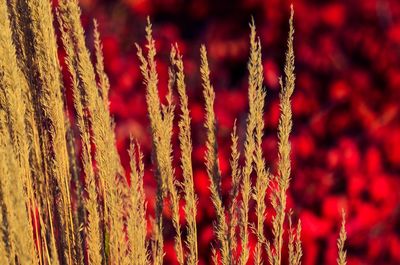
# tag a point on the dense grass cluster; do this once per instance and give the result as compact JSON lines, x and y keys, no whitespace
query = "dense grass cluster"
{"x":51,"y":215}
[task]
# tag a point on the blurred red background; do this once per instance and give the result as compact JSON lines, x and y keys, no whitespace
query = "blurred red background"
{"x":346,"y":137}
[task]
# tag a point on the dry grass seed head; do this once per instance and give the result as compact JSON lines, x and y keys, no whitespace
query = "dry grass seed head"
{"x":278,"y":199}
{"x":341,"y":260}
{"x":220,"y":228}
{"x":185,"y":142}
{"x":136,"y":223}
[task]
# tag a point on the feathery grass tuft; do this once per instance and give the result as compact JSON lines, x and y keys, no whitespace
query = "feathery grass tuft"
{"x":214,"y":173}
{"x":185,"y":140}
{"x":137,"y":225}
{"x":341,"y":260}
{"x":294,"y":244}
{"x":284,"y":128}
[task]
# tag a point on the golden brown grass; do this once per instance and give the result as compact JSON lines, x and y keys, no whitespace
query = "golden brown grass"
{"x":284,"y":128}
{"x":221,"y":228}
{"x":49,"y":215}
{"x":341,"y":260}
{"x":51,"y":113}
{"x":106,"y":156}
{"x":185,"y":141}
{"x":137,"y":209}
{"x":235,"y":172}
{"x":17,"y":247}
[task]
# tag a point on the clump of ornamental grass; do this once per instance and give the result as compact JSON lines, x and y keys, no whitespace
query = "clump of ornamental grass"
{"x":64,"y":205}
